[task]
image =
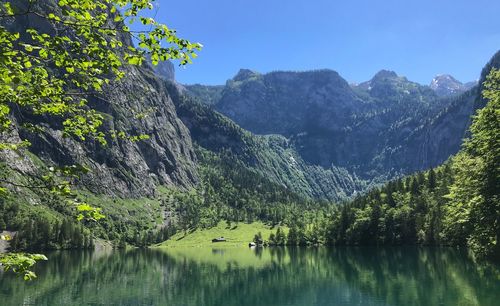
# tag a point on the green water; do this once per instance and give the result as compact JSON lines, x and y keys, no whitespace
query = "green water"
{"x":299,"y":276}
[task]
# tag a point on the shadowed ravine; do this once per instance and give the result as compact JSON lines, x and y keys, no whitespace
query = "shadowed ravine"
{"x":272,"y":276}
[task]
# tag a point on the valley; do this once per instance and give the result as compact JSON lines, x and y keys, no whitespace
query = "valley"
{"x":379,"y":192}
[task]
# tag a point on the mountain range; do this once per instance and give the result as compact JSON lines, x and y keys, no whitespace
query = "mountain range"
{"x":310,"y":132}
{"x":260,"y":147}
{"x":343,"y":138}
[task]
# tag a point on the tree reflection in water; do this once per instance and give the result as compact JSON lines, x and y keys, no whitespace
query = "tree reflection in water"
{"x":271,"y":276}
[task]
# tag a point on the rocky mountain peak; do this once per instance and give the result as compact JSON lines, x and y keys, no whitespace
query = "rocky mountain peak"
{"x":445,"y":85}
{"x":380,"y":78}
{"x":244,"y":74}
{"x":384,"y":74}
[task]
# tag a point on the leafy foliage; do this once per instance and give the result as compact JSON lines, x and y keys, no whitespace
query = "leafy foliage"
{"x":50,"y":75}
{"x":75,"y":49}
{"x":474,"y":197}
{"x":21,"y":263}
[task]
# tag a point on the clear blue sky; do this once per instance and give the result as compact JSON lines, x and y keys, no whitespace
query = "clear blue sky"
{"x":418,"y":39}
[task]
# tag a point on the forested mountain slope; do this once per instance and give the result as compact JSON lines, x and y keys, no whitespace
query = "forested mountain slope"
{"x":457,"y":203}
{"x":373,"y":131}
{"x":272,"y":156}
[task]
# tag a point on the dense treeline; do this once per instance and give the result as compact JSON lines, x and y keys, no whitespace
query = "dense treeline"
{"x":421,"y":209}
{"x":43,"y":220}
{"x":35,"y":227}
{"x":39,"y":234}
{"x":35,"y":232}
{"x":456,"y":204}
{"x":405,"y":211}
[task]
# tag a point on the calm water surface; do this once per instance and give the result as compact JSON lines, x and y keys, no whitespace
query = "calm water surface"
{"x":277,"y":276}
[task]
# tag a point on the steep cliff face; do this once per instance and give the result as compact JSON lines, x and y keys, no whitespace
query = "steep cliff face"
{"x":493,"y":63}
{"x":309,"y":131}
{"x":440,"y":136}
{"x":391,"y":107}
{"x":286,"y":103}
{"x":401,"y":109}
{"x":209,"y":95}
{"x":139,"y":104}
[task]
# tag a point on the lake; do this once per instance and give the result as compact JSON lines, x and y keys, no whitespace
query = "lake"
{"x":270,"y":276}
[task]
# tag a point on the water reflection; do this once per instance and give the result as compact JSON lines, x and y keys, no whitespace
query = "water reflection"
{"x":273,"y":276}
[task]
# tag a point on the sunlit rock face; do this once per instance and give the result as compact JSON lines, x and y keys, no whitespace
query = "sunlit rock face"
{"x":140,"y":104}
{"x":446,"y":85}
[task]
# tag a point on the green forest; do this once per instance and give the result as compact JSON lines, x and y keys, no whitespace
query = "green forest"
{"x":455,"y":204}
{"x":59,"y":125}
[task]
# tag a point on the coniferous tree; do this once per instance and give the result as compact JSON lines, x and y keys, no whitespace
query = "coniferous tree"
{"x":431,"y":179}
